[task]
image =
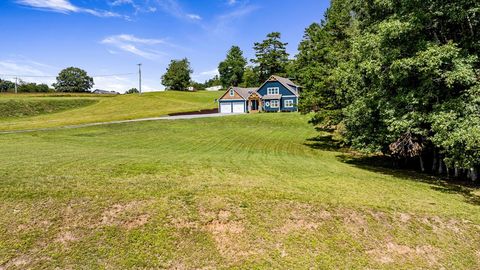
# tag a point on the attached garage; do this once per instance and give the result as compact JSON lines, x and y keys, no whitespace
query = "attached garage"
{"x":232,"y":107}
{"x":238,"y":107}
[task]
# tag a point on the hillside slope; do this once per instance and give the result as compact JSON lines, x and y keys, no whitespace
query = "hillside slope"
{"x":110,"y":108}
{"x":257,"y":191}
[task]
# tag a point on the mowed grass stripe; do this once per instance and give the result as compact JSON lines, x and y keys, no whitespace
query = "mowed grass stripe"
{"x":237,"y":192}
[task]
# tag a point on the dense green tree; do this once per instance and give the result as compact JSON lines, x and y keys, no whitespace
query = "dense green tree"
{"x":73,"y":79}
{"x":132,"y":91}
{"x":399,"y":77}
{"x":177,"y":76}
{"x":25,"y":87}
{"x":271,"y":57}
{"x":250,"y":78}
{"x":6,"y":86}
{"x":232,"y":68}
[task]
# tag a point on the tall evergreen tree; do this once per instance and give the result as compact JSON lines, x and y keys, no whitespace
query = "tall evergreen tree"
{"x":271,"y":56}
{"x":232,"y":68}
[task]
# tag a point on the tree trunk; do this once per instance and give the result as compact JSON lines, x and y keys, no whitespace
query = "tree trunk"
{"x":434,"y":164}
{"x":440,"y":167}
{"x":474,"y":175}
{"x":422,"y":167}
{"x":456,"y":171}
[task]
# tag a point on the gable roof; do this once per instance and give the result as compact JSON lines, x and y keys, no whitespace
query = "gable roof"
{"x":243,"y":92}
{"x":291,"y":86}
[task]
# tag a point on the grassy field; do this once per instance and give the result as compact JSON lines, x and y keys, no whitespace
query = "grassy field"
{"x":101,"y":108}
{"x":244,"y":192}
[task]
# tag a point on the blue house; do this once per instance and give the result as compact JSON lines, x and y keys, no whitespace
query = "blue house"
{"x":277,"y":94}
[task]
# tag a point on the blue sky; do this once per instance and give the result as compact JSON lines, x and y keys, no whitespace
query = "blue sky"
{"x":105,"y":37}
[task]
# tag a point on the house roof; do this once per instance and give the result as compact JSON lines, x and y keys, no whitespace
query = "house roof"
{"x":272,"y":97}
{"x":287,"y":83}
{"x":245,"y":92}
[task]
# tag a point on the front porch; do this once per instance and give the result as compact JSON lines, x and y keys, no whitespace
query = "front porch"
{"x":254,"y":103}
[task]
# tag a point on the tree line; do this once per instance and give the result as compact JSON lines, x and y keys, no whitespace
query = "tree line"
{"x":271,"y":58}
{"x":24,"y":87}
{"x":399,"y":77}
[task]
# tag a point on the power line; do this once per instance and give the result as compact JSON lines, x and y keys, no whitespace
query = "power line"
{"x":54,"y":76}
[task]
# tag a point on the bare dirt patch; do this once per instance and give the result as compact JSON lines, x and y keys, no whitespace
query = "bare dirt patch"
{"x":228,"y":233}
{"x":66,"y":237}
{"x":129,"y":215}
{"x":354,"y":221}
{"x":18,"y":262}
{"x":392,"y":252}
{"x":404,"y":217}
{"x":302,"y":217}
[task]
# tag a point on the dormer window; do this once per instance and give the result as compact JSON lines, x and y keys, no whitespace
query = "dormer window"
{"x":232,"y":93}
{"x":273,"y":91}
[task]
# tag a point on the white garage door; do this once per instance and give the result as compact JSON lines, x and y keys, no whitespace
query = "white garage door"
{"x":238,"y":107}
{"x":226,"y":107}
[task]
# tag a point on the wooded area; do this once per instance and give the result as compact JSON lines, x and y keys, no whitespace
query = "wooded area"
{"x":400,"y":77}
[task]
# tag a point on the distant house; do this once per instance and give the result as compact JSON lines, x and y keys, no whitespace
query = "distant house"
{"x":191,"y":89}
{"x":105,"y":92}
{"x":277,"y":94}
{"x":214,"y":88}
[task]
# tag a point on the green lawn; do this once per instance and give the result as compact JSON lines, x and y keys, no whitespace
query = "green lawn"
{"x":250,"y":192}
{"x":101,"y":108}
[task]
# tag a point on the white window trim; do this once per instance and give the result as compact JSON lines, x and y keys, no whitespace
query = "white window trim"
{"x":273,"y":91}
{"x":288,"y":101}
{"x":232,"y":93}
{"x":276,"y":102}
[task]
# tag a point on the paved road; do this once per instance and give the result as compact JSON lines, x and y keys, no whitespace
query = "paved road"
{"x":176,"y":117}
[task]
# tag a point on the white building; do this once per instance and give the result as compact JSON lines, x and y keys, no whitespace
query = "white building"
{"x":214,"y":88}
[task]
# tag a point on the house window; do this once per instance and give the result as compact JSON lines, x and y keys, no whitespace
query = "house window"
{"x":273,"y":91}
{"x":289,"y":103}
{"x":232,"y":93}
{"x":274,"y":104}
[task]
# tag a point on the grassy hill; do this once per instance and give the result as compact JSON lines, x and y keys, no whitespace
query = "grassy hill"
{"x":15,"y":108}
{"x":100,"y":108}
{"x":252,"y":192}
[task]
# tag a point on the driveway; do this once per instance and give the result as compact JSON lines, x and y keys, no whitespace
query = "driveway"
{"x":175,"y":117}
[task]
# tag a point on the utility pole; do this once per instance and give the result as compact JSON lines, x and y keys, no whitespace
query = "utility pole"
{"x":16,"y":82}
{"x":140,"y":78}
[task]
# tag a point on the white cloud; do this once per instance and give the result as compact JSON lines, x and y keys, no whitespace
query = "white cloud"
{"x":205,"y":75}
{"x":231,"y":2}
{"x":194,"y":16}
{"x":27,"y":70}
{"x":173,"y":8}
{"x":133,"y":39}
{"x":223,"y":23}
{"x":131,"y":44}
{"x":65,"y":6}
{"x":143,"y":6}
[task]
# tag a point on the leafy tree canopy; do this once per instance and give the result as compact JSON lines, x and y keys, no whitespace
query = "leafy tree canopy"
{"x":177,"y":76}
{"x":73,"y":79}
{"x":399,"y":77}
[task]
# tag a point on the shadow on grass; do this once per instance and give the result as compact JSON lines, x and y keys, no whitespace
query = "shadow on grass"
{"x":384,"y":165}
{"x":323,"y":142}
